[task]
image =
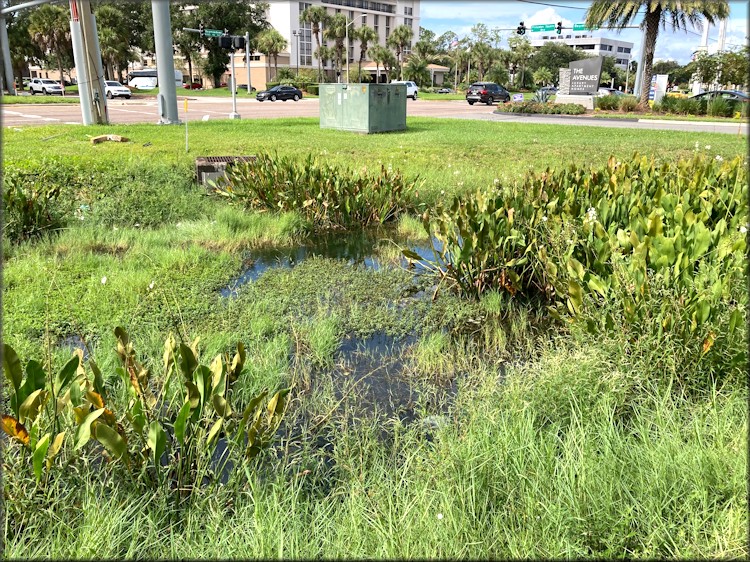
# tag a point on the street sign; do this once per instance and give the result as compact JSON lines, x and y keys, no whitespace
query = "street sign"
{"x":543,"y":27}
{"x":214,"y":33}
{"x":517,"y":97}
{"x":582,"y":27}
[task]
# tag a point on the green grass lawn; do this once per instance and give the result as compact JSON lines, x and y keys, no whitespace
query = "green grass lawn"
{"x":527,"y":438}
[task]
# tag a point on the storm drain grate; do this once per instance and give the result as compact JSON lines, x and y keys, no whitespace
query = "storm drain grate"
{"x":210,"y":168}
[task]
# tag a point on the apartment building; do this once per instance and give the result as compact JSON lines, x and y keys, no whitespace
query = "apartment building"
{"x":383,"y":16}
{"x":604,"y":46}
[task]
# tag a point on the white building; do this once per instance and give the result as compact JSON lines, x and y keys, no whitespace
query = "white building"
{"x":382,"y":16}
{"x":604,"y":46}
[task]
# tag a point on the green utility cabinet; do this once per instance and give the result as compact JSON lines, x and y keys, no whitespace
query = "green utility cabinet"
{"x":363,"y":108}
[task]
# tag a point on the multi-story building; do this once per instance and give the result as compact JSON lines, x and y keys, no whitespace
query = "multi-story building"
{"x":604,"y":46}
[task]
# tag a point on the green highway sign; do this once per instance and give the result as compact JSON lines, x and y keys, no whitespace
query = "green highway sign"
{"x":582,"y":27}
{"x":214,"y":33}
{"x":543,"y":27}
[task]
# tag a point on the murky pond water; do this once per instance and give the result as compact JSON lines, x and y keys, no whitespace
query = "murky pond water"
{"x":358,"y":249}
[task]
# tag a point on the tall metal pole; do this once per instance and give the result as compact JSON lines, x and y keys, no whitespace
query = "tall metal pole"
{"x":234,"y":114}
{"x":639,"y":70}
{"x":299,"y":32}
{"x":165,"y":63}
{"x":247,"y":60}
{"x":627,"y":75}
{"x":79,"y":57}
{"x":346,"y":33}
{"x":9,"y":79}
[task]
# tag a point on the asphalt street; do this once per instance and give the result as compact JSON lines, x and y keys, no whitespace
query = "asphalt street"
{"x":146,"y":111}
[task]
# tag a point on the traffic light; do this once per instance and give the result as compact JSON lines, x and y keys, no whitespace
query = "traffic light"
{"x":559,"y":27}
{"x":202,"y":30}
{"x":521,"y":29}
{"x":225,"y":42}
{"x":238,"y":41}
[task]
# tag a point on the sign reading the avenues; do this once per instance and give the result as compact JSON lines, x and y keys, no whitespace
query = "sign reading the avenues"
{"x":584,"y":76}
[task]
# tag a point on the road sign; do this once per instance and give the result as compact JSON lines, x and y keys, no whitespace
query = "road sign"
{"x":214,"y":33}
{"x":582,"y":27}
{"x":543,"y":27}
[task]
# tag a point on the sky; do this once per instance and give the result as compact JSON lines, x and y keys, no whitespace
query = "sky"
{"x":460,"y":15}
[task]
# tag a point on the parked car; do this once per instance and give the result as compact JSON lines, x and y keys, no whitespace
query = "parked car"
{"x":45,"y":86}
{"x":609,"y":92}
{"x":113,"y":89}
{"x":445,"y":91}
{"x":486,"y":92}
{"x":411,"y":88}
{"x":193,"y":86}
{"x":280,"y":92}
{"x":730,"y":95}
{"x":243,"y":88}
{"x":548,"y":90}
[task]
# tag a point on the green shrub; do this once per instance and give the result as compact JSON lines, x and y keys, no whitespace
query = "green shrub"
{"x":609,"y":102}
{"x":628,"y":104}
{"x":532,"y":106}
{"x":719,"y":107}
{"x":689,"y":106}
{"x":313,"y":89}
{"x":30,"y":200}
{"x":669,"y":104}
{"x":571,"y":109}
{"x":326,"y":195}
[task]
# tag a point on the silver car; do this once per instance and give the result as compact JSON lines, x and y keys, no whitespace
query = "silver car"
{"x":45,"y":86}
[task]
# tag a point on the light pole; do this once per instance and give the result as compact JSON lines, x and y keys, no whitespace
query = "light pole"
{"x":346,"y":39}
{"x":297,"y":33}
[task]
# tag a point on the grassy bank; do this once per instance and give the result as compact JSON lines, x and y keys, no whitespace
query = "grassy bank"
{"x":497,"y":432}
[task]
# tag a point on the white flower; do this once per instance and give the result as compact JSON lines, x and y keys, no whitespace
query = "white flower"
{"x":442,"y":192}
{"x":456,"y":172}
{"x":439,"y":515}
{"x":544,"y":218}
{"x":743,"y":229}
{"x":496,"y":181}
{"x":151,"y":286}
{"x":570,"y":242}
{"x":719,"y":158}
{"x":460,"y":183}
{"x":449,"y":165}
{"x":115,"y":228}
{"x":697,"y":145}
{"x":104,"y":280}
{"x":137,"y":224}
{"x":591,"y":214}
{"x":708,"y":147}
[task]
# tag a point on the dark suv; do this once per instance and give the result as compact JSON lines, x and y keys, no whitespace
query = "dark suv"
{"x":486,"y":92}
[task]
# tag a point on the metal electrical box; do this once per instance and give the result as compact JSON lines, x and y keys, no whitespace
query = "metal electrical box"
{"x":363,"y":108}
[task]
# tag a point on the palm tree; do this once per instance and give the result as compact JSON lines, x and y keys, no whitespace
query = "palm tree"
{"x":366,"y":35}
{"x":49,"y":28}
{"x":336,"y":31}
{"x":399,"y":39}
{"x":381,"y":55}
{"x":113,"y":39}
{"x":416,"y":69}
{"x":271,"y":43}
{"x":316,"y":15}
{"x":324,"y":54}
{"x":618,"y":14}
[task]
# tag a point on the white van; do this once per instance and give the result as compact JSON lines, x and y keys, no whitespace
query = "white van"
{"x":411,"y":88}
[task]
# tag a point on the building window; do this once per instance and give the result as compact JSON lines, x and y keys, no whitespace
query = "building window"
{"x":408,"y":22}
{"x":376,"y":21}
{"x":364,"y":20}
{"x":387,"y":26}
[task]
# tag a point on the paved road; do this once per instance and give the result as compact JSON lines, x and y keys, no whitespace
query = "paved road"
{"x":146,"y":111}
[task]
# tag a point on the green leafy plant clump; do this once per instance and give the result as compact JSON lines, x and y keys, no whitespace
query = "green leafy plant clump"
{"x":646,"y":244}
{"x":167,"y":435}
{"x":608,"y":102}
{"x":326,"y":195}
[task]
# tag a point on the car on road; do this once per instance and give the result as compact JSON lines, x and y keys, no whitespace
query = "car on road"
{"x":113,"y":89}
{"x":486,"y":92}
{"x":193,"y":86}
{"x":608,"y":92}
{"x":243,"y":88}
{"x":45,"y":86}
{"x":411,"y":88}
{"x":445,"y":91}
{"x":729,"y":95}
{"x":281,"y":92}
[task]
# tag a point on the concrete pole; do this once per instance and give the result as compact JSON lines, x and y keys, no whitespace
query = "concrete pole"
{"x":165,"y":63}
{"x":94,"y":60}
{"x":247,"y":60}
{"x":234,"y":114}
{"x":8,"y":66}
{"x":79,"y":57}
